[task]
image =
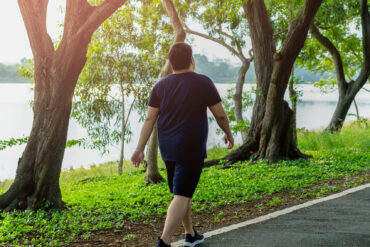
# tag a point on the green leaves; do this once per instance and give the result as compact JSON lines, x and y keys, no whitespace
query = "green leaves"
{"x":125,"y":58}
{"x":12,"y":142}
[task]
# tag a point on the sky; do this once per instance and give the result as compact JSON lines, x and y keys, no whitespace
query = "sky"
{"x":14,"y":45}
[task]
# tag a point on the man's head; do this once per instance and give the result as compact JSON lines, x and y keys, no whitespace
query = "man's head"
{"x":181,"y":57}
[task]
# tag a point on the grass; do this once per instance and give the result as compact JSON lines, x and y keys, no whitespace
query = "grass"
{"x":98,"y":199}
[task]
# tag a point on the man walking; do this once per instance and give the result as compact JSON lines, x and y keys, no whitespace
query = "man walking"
{"x":179,"y":102}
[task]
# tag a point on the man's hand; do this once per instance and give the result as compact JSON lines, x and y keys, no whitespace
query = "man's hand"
{"x":230,"y":139}
{"x":150,"y":120}
{"x":137,"y":157}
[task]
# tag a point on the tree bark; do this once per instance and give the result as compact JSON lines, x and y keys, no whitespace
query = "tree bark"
{"x":36,"y":183}
{"x":271,"y":133}
{"x":152,"y":173}
{"x":238,"y":95}
{"x":347,"y":90}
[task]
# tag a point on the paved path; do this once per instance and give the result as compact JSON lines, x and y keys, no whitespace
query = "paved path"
{"x":344,"y":221}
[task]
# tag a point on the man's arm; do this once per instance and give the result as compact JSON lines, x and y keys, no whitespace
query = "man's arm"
{"x":146,"y":131}
{"x":222,"y":121}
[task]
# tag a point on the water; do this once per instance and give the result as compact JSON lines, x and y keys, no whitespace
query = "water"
{"x":314,"y":111}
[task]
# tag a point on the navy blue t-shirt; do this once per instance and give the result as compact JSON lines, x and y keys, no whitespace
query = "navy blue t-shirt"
{"x":182,"y":100}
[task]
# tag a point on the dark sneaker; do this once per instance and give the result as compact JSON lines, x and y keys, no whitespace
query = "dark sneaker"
{"x":191,"y":241}
{"x":162,"y":244}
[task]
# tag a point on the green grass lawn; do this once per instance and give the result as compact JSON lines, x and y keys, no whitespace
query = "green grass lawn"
{"x":99,"y":199}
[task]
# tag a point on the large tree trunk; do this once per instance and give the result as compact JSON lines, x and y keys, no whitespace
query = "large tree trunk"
{"x":347,"y":90}
{"x":37,"y":177}
{"x":56,"y":72}
{"x":271,"y":133}
{"x":152,"y":173}
{"x":238,"y":96}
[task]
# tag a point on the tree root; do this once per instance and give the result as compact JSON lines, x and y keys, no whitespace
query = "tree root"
{"x":154,"y":179}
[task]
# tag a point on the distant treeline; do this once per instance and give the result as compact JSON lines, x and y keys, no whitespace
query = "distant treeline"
{"x":219,"y":70}
{"x":8,"y":74}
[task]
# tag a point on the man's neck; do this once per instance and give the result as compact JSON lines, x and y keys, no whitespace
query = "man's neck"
{"x":183,"y":71}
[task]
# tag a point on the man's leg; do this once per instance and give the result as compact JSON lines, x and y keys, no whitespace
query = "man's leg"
{"x":187,"y":221}
{"x":175,"y":214}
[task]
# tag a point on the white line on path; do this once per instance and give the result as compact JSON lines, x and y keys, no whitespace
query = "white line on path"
{"x":276,"y":214}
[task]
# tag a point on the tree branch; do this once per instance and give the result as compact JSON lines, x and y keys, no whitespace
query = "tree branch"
{"x":179,"y":32}
{"x":338,"y":63}
{"x":81,"y":18}
{"x":280,"y":32}
{"x":221,"y":42}
{"x":175,"y":21}
{"x":294,"y":40}
{"x":99,"y":14}
{"x":365,"y":70}
{"x":34,"y":17}
{"x":238,"y":46}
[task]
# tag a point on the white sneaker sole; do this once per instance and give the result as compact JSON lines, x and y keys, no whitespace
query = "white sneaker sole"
{"x":187,"y":244}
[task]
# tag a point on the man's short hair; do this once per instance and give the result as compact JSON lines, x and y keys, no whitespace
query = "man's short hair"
{"x":180,"y":56}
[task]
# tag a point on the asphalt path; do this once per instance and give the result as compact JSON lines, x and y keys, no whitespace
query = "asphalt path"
{"x":344,"y":221}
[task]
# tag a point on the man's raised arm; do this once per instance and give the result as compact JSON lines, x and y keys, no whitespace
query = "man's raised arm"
{"x":222,"y":121}
{"x":146,"y":131}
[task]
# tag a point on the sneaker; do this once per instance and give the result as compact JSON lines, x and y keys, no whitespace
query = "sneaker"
{"x":161,"y":243}
{"x":191,"y":241}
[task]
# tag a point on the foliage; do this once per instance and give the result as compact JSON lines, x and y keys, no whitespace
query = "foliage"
{"x":223,"y":20}
{"x":339,"y":21}
{"x":12,"y":142}
{"x":83,"y":142}
{"x":98,"y":200}
{"x":240,"y":126}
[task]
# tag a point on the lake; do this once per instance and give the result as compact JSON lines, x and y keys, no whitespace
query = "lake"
{"x":313,"y":112}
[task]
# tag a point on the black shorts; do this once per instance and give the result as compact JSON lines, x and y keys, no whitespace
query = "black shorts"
{"x":183,"y":177}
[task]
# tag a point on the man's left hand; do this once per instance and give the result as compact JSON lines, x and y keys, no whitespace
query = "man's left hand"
{"x":137,"y":157}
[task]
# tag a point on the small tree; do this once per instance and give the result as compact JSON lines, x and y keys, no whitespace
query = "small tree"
{"x":345,"y":48}
{"x":225,"y":25}
{"x":56,"y":74}
{"x":123,"y":64}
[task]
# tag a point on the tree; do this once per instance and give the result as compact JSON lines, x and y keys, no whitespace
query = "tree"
{"x":225,"y":26}
{"x":271,"y":133}
{"x":56,"y":73}
{"x":152,"y":174}
{"x":344,"y":48}
{"x":122,"y":67}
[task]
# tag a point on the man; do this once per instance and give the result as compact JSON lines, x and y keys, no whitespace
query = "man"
{"x":180,"y":102}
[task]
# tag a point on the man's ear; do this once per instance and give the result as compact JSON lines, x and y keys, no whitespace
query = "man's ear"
{"x":192,"y":62}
